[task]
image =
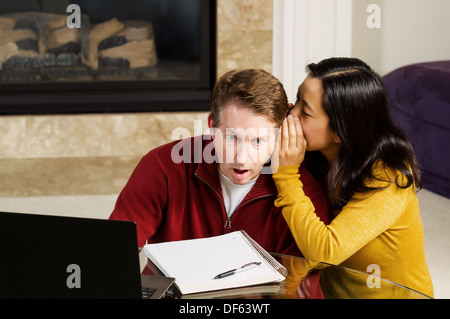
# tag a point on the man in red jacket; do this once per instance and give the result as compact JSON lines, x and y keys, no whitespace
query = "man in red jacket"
{"x":214,"y":184}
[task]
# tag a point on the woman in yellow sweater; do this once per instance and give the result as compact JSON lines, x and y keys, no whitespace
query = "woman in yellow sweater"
{"x":369,"y":171}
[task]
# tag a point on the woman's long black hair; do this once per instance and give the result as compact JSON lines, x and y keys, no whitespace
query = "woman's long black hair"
{"x":355,"y":101}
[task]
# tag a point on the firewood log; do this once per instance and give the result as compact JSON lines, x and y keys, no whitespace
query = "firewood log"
{"x":96,"y":35}
{"x":7,"y":23}
{"x":11,"y":49}
{"x":138,"y":53}
{"x":59,"y":37}
{"x":137,"y":31}
{"x":16,"y":35}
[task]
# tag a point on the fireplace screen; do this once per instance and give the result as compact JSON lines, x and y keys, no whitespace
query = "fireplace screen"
{"x":153,"y":48}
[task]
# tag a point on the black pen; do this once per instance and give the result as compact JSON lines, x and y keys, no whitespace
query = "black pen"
{"x":234,"y":271}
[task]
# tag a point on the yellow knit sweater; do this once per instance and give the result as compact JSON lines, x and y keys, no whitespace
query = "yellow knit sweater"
{"x":381,"y":227}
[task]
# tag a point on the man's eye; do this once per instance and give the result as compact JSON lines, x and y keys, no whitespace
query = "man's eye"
{"x":231,"y":138}
{"x":259,"y":141}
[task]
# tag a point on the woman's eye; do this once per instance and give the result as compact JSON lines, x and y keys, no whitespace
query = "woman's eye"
{"x":305,"y":114}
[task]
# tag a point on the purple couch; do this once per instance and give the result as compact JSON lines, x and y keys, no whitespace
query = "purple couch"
{"x":419,"y":100}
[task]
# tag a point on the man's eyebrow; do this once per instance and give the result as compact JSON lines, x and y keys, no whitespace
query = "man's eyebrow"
{"x":231,"y":130}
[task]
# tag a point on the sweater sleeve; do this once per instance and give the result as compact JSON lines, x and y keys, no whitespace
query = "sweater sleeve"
{"x":144,"y":197}
{"x":360,"y":221}
{"x":315,"y":193}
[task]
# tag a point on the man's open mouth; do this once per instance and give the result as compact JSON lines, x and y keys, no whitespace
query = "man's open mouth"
{"x":240,"y":174}
{"x":240,"y":171}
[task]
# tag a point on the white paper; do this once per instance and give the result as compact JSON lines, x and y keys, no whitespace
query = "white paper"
{"x":194,"y":263}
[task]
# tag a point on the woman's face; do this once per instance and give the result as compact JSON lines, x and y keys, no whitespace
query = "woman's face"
{"x":314,"y":120}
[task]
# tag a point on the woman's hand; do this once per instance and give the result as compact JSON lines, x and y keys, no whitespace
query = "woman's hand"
{"x":292,"y":144}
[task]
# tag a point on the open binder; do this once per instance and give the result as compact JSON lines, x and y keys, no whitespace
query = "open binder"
{"x":195,"y":263}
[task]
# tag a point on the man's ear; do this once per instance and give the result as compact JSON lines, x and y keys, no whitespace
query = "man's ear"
{"x":211,"y":126}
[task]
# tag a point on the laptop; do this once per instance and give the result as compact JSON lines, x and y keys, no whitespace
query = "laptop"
{"x":45,"y":256}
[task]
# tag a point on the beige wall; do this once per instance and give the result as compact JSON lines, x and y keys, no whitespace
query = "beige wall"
{"x":411,"y":31}
{"x":244,"y":41}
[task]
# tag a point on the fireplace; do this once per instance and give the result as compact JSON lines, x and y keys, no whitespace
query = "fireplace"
{"x":123,"y":56}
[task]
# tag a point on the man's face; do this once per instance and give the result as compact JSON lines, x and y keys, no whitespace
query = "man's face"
{"x":244,"y":142}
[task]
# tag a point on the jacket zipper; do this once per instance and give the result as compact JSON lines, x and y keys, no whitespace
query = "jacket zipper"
{"x":228,"y":222}
{"x":216,"y":192}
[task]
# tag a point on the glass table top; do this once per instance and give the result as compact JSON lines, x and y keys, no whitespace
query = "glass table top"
{"x":315,"y":280}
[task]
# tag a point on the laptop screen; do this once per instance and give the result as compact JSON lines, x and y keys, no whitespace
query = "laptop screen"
{"x":67,"y":257}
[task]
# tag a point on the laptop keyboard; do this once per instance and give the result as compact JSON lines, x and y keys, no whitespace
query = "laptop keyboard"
{"x":147,"y":293}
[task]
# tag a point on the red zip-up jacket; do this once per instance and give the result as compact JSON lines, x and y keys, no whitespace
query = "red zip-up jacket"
{"x":176,"y":201}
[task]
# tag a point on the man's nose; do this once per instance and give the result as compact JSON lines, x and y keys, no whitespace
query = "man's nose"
{"x":241,"y":154}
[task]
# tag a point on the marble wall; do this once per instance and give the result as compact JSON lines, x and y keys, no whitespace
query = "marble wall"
{"x":244,"y":41}
{"x":244,"y":32}
{"x":92,"y":135}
